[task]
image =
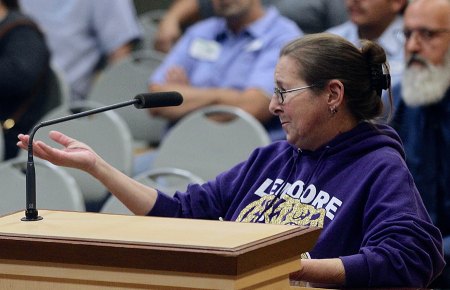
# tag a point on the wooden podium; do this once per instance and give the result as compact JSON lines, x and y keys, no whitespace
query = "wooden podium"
{"x":79,"y":250}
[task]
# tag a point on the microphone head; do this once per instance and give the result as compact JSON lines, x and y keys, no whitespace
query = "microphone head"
{"x":161,"y":99}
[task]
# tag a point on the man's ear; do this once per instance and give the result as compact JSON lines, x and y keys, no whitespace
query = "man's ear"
{"x":335,"y":93}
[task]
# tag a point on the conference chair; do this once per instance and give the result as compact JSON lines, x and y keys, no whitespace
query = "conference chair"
{"x":57,"y":90}
{"x":56,"y":93}
{"x":149,"y":21}
{"x":167,"y":180}
{"x":55,"y":188}
{"x":123,"y":81}
{"x":2,"y":146}
{"x":105,"y":132}
{"x":205,"y":146}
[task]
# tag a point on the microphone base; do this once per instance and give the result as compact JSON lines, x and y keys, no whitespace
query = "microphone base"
{"x":31,"y":215}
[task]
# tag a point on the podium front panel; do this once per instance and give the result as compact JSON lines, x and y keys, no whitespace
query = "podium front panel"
{"x":182,"y":247}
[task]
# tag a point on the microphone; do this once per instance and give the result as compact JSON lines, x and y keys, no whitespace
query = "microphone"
{"x":141,"y":101}
{"x":154,"y":100}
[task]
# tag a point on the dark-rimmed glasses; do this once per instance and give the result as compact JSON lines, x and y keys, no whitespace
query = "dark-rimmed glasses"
{"x":424,"y":34}
{"x":280,"y":93}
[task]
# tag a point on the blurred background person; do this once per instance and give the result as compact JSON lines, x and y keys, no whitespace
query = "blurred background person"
{"x":311,"y":16}
{"x":227,"y":60}
{"x":380,"y":21}
{"x":24,"y":71}
{"x":84,"y":36}
{"x":224,"y":60}
{"x":422,"y":117}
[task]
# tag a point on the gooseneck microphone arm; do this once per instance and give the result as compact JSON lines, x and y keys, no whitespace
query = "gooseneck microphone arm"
{"x":149,"y":100}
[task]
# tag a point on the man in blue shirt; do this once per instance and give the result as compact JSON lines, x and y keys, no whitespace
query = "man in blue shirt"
{"x":312,"y":16}
{"x":82,"y":35}
{"x":227,"y":60}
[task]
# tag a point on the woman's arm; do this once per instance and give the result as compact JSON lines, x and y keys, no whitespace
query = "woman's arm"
{"x":180,"y":14}
{"x":321,"y":271}
{"x":139,"y":198}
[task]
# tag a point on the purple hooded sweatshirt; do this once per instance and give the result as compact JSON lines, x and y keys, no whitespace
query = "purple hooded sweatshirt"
{"x":357,"y":188}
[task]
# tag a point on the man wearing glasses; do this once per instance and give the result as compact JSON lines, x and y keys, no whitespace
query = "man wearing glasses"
{"x":422,"y":116}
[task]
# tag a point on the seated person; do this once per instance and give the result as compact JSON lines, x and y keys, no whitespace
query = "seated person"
{"x":227,"y":60}
{"x":422,"y":115}
{"x":85,"y":36}
{"x":311,"y":16}
{"x":25,"y":74}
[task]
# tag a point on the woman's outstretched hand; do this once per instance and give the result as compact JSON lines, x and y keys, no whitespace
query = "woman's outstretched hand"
{"x":138,"y":197}
{"x":74,"y":153}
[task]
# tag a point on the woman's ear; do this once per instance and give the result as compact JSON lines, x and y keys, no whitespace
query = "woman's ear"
{"x":335,"y":93}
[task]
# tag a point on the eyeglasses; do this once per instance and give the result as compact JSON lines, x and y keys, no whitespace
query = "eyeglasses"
{"x":280,"y":93}
{"x":424,"y":34}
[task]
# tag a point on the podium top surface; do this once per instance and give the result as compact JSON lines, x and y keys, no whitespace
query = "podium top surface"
{"x":136,"y":241}
{"x":141,"y":230}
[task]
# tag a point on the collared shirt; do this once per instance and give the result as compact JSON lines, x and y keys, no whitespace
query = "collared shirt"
{"x":316,"y":15}
{"x":391,"y":40}
{"x":81,"y":32}
{"x":213,"y":56}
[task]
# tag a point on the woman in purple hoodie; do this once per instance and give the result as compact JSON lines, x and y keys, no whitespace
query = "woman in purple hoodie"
{"x":338,"y":170}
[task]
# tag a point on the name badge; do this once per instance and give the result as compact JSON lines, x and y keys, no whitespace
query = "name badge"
{"x":204,"y":49}
{"x":254,"y":45}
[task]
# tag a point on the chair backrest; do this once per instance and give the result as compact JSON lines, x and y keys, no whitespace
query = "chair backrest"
{"x":56,"y":92}
{"x":55,"y":188}
{"x":106,"y":133}
{"x":57,"y":89}
{"x":2,"y":146}
{"x":206,"y":147}
{"x":149,"y":21}
{"x":124,"y":80}
{"x":168,"y":180}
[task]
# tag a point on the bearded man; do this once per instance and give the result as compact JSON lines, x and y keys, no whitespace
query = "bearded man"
{"x":422,"y":116}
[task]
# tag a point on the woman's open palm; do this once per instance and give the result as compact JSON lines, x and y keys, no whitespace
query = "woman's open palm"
{"x":75,"y":154}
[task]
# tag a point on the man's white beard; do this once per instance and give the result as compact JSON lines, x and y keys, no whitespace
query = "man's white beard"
{"x":423,"y":86}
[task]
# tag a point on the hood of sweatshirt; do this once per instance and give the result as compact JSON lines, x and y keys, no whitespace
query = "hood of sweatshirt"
{"x":361,"y":140}
{"x":287,"y":172}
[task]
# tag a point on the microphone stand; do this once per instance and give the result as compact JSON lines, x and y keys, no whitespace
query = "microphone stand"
{"x":31,"y":213}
